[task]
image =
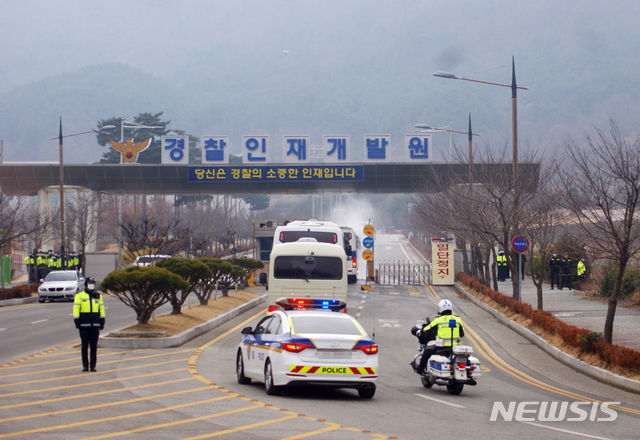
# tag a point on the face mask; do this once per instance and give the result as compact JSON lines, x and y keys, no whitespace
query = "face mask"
{"x":91,"y":286}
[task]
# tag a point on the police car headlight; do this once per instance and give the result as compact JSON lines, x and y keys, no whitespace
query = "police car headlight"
{"x":41,"y":289}
{"x":69,"y":289}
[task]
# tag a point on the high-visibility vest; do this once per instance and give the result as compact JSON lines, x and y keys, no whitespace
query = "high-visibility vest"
{"x":444,"y":331}
{"x":88,"y":309}
{"x":581,"y":268}
{"x":502,"y":260}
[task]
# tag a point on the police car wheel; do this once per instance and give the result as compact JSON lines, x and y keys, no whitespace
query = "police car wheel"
{"x":269,"y":387}
{"x":242,"y":379}
{"x":367,"y":393}
{"x":41,"y":301}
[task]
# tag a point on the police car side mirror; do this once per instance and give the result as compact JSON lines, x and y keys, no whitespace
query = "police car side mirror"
{"x":246,"y":331}
{"x":41,"y":280}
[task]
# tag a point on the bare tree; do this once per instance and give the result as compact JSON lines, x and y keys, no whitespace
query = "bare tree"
{"x":602,"y":191}
{"x":542,"y":219}
{"x":487,"y":213}
{"x":17,"y":220}
{"x":83,"y":218}
{"x":156,"y":229}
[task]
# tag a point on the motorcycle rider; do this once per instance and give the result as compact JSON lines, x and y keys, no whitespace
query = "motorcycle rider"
{"x":439,"y":329}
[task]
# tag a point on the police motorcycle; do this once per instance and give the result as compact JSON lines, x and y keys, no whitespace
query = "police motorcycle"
{"x":451,"y":366}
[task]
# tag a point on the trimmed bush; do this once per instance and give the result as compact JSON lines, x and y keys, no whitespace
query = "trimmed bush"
{"x":585,"y":340}
{"x":19,"y":291}
{"x":630,"y":282}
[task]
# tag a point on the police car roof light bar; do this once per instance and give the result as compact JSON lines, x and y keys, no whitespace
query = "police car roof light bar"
{"x":311,"y":303}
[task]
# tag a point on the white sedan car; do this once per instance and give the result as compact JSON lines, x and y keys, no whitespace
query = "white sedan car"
{"x":308,"y":344}
{"x":60,"y":285}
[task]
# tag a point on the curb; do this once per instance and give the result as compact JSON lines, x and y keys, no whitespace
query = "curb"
{"x":596,"y":373}
{"x":180,"y":338}
{"x":18,"y":301}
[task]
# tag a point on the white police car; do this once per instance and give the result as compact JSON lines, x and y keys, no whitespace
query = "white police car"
{"x":308,"y":344}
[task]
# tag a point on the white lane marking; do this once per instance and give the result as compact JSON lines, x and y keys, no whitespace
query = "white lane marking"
{"x":2,"y":329}
{"x":358,"y":315}
{"x":566,"y":431}
{"x":38,"y":322}
{"x":362,"y":302}
{"x":360,"y":307}
{"x":440,"y":401}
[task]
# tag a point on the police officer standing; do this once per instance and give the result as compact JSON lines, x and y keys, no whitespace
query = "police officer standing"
{"x":565,"y":264}
{"x":581,"y":270}
{"x":88,"y":316}
{"x":502,"y":265}
{"x":554,"y":267}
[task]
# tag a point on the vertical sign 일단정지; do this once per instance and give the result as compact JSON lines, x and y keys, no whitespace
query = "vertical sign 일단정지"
{"x":442,"y":251}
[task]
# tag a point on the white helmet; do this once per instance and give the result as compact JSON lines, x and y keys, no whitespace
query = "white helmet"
{"x":445,"y":304}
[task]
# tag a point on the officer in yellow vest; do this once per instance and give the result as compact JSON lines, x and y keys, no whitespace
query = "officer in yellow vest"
{"x":440,"y":328}
{"x":88,"y":315}
{"x":501,"y":259}
{"x":581,"y":269}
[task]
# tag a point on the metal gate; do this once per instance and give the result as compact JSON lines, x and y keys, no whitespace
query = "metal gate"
{"x":404,"y":272}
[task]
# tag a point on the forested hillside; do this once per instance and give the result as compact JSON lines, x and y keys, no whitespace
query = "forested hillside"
{"x":351,"y":67}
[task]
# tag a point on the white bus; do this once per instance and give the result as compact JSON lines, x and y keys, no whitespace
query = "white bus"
{"x":323,"y":232}
{"x":306,"y":269}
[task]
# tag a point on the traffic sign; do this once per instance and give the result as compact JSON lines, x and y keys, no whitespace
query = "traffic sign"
{"x":368,"y":242}
{"x":520,"y":244}
{"x":367,"y":254}
{"x":368,"y":230}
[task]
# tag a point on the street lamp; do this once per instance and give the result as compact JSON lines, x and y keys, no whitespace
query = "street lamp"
{"x":61,"y":177}
{"x":514,"y":105}
{"x":425,"y":127}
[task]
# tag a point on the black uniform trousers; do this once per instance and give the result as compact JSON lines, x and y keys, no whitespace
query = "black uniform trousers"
{"x":89,"y":337}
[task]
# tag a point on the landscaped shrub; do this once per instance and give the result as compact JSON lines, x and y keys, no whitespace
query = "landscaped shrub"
{"x":19,"y":291}
{"x":586,"y":340}
{"x":630,"y":282}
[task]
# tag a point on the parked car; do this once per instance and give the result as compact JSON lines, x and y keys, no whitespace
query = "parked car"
{"x":60,"y":285}
{"x":148,"y":260}
{"x":308,"y":344}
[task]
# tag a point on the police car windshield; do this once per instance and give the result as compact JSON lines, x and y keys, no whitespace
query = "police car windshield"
{"x":324,"y":325}
{"x":61,"y":276}
{"x":299,"y":267}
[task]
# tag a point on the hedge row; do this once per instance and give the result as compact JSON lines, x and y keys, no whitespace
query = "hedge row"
{"x":20,"y":291}
{"x":587,"y":341}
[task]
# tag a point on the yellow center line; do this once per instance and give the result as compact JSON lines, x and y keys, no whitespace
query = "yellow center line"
{"x":92,"y":374}
{"x":499,"y":363}
{"x":181,"y":422}
{"x":102,"y":363}
{"x":84,"y":385}
{"x":502,"y":365}
{"x":126,"y":416}
{"x":99,"y":393}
